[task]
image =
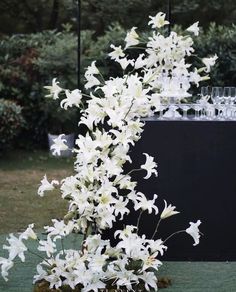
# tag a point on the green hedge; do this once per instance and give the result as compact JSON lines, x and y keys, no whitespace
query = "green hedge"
{"x":11,"y":122}
{"x":220,"y":40}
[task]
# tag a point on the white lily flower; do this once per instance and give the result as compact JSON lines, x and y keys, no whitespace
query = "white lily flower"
{"x":209,"y":62}
{"x":46,"y":186}
{"x":157,"y":246}
{"x":28,"y":233}
{"x":124,"y":62}
{"x":47,"y":246}
{"x":59,"y":145}
{"x":129,"y":229}
{"x":97,"y":262}
{"x":41,"y":274}
{"x":143,"y":203}
{"x":116,"y":53}
{"x":6,"y":265}
{"x":93,"y":242}
{"x":132,"y":38}
{"x":91,"y":81}
{"x":54,"y":89}
{"x":16,"y":247}
{"x":120,"y":208}
{"x":150,"y":280}
{"x":168,"y":211}
{"x":59,"y":229}
{"x":73,"y":98}
{"x":149,"y":166}
{"x":158,"y":21}
{"x":140,"y":62}
{"x":194,"y":28}
{"x":194,"y":231}
{"x":92,"y":69}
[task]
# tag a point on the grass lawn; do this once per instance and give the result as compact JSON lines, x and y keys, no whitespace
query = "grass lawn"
{"x":20,"y":175}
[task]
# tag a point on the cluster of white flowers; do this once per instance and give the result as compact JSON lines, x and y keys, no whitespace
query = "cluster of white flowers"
{"x":71,"y":267}
{"x":100,"y":192}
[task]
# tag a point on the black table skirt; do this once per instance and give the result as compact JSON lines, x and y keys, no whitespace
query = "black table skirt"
{"x":197,"y":174}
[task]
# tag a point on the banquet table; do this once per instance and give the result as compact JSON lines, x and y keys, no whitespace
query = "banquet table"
{"x":197,"y":174}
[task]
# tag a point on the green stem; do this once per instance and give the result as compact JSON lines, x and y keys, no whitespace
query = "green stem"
{"x":138,"y":222}
{"x":62,"y":246}
{"x":32,"y":252}
{"x":154,"y":233}
{"x":177,"y":232}
{"x":103,"y":80}
{"x":84,"y":94}
{"x":138,"y":169}
{"x":139,"y":48}
{"x":133,"y":170}
{"x":132,"y":102}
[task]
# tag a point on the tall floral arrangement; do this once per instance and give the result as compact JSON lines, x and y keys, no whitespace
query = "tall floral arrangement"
{"x":100,"y":191}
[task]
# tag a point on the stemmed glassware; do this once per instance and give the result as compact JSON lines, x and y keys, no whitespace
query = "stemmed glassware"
{"x":232,"y":95}
{"x":217,"y":95}
{"x":215,"y":103}
{"x":197,"y":108}
{"x":185,"y":107}
{"x":227,"y":95}
{"x":205,"y":93}
{"x":217,"y":98}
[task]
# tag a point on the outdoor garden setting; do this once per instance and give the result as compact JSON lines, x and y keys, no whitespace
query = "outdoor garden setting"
{"x":117,"y":154}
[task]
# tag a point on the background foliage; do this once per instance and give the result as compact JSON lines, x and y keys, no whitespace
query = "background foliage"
{"x":38,"y":41}
{"x":27,"y":16}
{"x":11,"y":122}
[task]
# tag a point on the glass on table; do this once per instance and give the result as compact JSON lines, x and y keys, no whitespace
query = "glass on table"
{"x":197,"y":108}
{"x":210,"y":112}
{"x":232,"y":95}
{"x":227,"y":95}
{"x":233,"y":113}
{"x":185,"y":108}
{"x":205,"y":93}
{"x":217,"y":95}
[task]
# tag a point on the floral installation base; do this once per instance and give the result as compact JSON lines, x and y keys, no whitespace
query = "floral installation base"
{"x":43,"y":286}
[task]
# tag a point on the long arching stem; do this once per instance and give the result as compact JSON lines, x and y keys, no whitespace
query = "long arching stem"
{"x":154,"y":233}
{"x":138,"y":222}
{"x":177,"y":232}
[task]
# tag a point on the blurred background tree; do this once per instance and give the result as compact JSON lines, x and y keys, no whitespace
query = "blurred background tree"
{"x":27,"y":16}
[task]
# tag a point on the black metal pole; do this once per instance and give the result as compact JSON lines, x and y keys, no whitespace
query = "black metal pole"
{"x":169,"y":16}
{"x":79,"y":42}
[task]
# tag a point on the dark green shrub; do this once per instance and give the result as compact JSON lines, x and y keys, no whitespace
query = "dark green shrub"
{"x":27,"y":63}
{"x":59,"y":120}
{"x":11,"y":122}
{"x":220,"y":40}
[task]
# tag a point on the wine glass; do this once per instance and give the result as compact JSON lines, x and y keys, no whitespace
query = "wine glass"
{"x":227,"y":95}
{"x":209,"y":111}
{"x":232,"y":95}
{"x":216,"y":95}
{"x":197,"y":108}
{"x":205,"y":93}
{"x":184,"y":107}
